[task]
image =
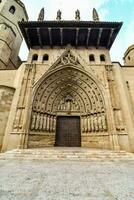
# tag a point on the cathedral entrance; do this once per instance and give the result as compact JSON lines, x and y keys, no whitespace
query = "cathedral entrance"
{"x":68,"y":133}
{"x":68,"y":108}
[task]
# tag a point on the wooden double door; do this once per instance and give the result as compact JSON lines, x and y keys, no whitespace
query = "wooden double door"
{"x":68,"y":133}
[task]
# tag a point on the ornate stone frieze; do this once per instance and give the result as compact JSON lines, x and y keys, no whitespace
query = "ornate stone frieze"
{"x":67,"y":58}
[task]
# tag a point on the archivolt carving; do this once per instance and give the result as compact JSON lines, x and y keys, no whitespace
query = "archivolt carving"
{"x":68,"y":104}
{"x":68,"y":90}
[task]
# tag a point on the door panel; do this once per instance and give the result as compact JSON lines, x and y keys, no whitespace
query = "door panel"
{"x":68,"y":131}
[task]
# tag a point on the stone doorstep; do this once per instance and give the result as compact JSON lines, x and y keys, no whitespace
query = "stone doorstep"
{"x":70,"y":154}
{"x":61,"y":153}
{"x":66,"y":157}
{"x":74,"y":155}
{"x":67,"y":151}
{"x":67,"y":154}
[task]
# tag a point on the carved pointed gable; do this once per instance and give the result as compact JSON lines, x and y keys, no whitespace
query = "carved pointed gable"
{"x":67,"y":58}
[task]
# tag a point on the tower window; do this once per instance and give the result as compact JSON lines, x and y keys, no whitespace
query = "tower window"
{"x":91,"y":58}
{"x":102,"y":58}
{"x":46,"y":57}
{"x":127,"y":83}
{"x":129,"y":58}
{"x":35,"y":57}
{"x":12,"y":10}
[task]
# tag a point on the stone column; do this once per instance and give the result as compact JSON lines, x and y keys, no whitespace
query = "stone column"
{"x":23,"y":111}
{"x":110,"y":115}
{"x":125,"y":106}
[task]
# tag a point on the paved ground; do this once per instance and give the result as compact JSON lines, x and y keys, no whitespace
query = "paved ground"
{"x":66,"y":180}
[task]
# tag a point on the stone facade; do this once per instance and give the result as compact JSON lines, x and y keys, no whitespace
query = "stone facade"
{"x":64,"y":81}
{"x":129,"y":56}
{"x":10,"y":36}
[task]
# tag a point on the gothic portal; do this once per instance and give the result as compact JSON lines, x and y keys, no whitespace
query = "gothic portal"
{"x":68,"y":93}
{"x":68,"y":90}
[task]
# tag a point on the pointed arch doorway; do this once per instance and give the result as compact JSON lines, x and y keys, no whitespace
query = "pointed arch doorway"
{"x":68,"y":107}
{"x":62,"y":95}
{"x":68,"y":131}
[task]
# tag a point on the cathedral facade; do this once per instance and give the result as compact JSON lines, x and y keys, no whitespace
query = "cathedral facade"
{"x":68,"y":93}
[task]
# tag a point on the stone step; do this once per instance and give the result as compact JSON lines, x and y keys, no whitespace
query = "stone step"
{"x":76,"y":154}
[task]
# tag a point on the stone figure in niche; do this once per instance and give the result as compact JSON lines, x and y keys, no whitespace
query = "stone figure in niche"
{"x":95,"y":15}
{"x":41,"y":15}
{"x":58,"y":15}
{"x":77,"y":15}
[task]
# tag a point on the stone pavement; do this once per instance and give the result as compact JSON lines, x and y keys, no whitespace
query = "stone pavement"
{"x":22,"y":179}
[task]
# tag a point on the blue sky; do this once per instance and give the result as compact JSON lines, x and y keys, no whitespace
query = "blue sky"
{"x":109,"y":10}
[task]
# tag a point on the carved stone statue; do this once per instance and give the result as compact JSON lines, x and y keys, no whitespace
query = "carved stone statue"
{"x":58,"y":15}
{"x":41,"y":15}
{"x":77,"y":15}
{"x":95,"y":15}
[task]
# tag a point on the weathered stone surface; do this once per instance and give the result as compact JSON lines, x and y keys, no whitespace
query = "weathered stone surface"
{"x":129,"y":56}
{"x":11,"y":40}
{"x":68,"y":180}
{"x":63,"y":81}
{"x":6,"y":96}
{"x":64,"y":153}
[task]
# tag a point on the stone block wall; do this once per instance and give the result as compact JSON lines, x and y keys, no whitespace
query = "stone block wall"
{"x":12,"y":19}
{"x":101,"y":141}
{"x":129,"y":56}
{"x":40,"y":140}
{"x":6,"y":96}
{"x":7,"y":38}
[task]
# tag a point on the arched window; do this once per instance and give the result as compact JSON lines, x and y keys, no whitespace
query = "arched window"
{"x":127,"y":83}
{"x":102,"y":58}
{"x":12,"y":10}
{"x":46,"y":57}
{"x":35,"y":57}
{"x":91,"y":58}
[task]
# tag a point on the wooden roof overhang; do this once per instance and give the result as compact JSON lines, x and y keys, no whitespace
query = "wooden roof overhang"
{"x":76,"y":33}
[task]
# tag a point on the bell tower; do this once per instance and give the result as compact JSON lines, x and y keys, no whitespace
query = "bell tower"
{"x":11,"y":12}
{"x":129,"y":56}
